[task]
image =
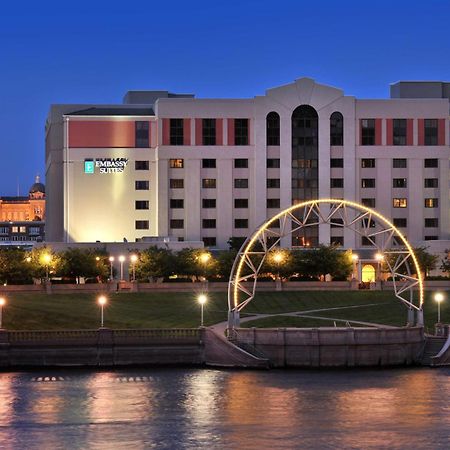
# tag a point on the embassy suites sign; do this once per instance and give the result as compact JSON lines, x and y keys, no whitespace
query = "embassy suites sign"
{"x":105,"y":165}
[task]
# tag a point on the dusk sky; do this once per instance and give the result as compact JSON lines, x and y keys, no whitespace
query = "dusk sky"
{"x":93,"y":52}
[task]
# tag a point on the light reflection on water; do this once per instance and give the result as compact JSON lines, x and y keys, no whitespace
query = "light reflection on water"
{"x":206,"y":408}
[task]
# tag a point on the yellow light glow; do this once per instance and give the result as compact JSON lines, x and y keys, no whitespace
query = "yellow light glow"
{"x":111,"y":258}
{"x":379,"y":257}
{"x":121,"y":258}
{"x":278,"y":257}
{"x":102,"y":300}
{"x":2,"y":301}
{"x":202,"y":299}
{"x":97,"y":258}
{"x":133,"y":258}
{"x":204,"y":258}
{"x":355,"y":257}
{"x":439,"y":297}
{"x":28,"y":259}
{"x":47,"y":258}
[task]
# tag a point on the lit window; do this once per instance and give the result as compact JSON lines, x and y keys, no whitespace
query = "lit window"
{"x":431,"y":203}
{"x":399,"y":202}
{"x":176,"y":163}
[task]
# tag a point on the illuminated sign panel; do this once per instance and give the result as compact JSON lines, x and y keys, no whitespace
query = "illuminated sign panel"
{"x":105,"y":165}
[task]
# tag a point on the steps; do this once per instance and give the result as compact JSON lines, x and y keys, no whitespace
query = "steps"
{"x":433,"y":346}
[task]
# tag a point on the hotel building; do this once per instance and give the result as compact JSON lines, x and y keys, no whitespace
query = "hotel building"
{"x":185,"y":169}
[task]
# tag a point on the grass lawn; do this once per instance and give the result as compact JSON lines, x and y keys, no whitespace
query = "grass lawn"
{"x":172,"y":310}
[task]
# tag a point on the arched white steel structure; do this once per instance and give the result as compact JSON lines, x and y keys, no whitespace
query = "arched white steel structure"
{"x":387,"y":240}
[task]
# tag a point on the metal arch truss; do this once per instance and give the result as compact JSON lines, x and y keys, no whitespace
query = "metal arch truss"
{"x":387,"y":240}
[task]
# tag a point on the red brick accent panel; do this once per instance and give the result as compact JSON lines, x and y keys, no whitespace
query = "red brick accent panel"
{"x":230,"y":131}
{"x":421,"y":131}
{"x":409,"y":131}
{"x":198,"y":131}
{"x":441,"y":131}
{"x":219,"y":131}
{"x":389,"y":132}
{"x":377,"y":131}
{"x":101,"y":134}
{"x":165,"y":131}
{"x":186,"y":131}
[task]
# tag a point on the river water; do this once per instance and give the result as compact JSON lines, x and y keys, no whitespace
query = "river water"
{"x":183,"y":408}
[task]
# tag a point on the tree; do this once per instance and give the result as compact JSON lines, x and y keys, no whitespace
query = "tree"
{"x":235,"y":243}
{"x":225,"y":261}
{"x":445,"y":266}
{"x":155,"y":262}
{"x":279,"y":262}
{"x":196,"y":263}
{"x":14,"y":268}
{"x":427,"y":262}
{"x":43,"y":261}
{"x":80,"y":262}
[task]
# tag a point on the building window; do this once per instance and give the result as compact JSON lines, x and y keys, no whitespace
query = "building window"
{"x":399,"y":183}
{"x":241,"y":163}
{"x":14,"y":229}
{"x":337,"y":182}
{"x":304,"y":163}
{"x":431,"y":238}
{"x":273,"y":163}
{"x":209,"y":223}
{"x":337,"y":162}
{"x":141,"y":224}
{"x":177,"y":224}
{"x":369,"y":202}
{"x":240,"y":131}
{"x":273,"y":203}
{"x":336,"y":129}
{"x":367,"y":131}
{"x":176,"y":183}
{"x":399,"y":202}
{"x":400,"y":222}
{"x":336,"y":222}
{"x":176,"y":203}
{"x":141,"y":165}
{"x":431,"y":183}
{"x":241,"y":203}
{"x":240,"y":223}
{"x":209,"y":203}
{"x":141,"y":134}
{"x":4,"y":230}
{"x":368,"y":182}
{"x":366,"y":223}
{"x":176,"y":163}
{"x":33,"y":231}
{"x":22,"y":229}
{"x":431,"y":223}
{"x":141,"y":185}
{"x":399,"y":131}
{"x":431,"y":131}
{"x":366,"y":241}
{"x":368,"y":163}
{"x":141,"y":204}
{"x":209,"y":131}
{"x":273,"y":128}
{"x":399,"y":163}
{"x":431,"y":163}
{"x":176,"y":132}
{"x":209,"y":241}
{"x":241,"y":183}
{"x":273,"y":183}
{"x":337,"y":240}
{"x":431,"y":202}
{"x":209,"y":183}
{"x":208,"y":163}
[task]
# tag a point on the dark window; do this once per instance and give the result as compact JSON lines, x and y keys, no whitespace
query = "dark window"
{"x":273,"y":203}
{"x":365,"y":223}
{"x":209,"y":183}
{"x":176,"y":183}
{"x":141,"y":204}
{"x":208,"y":163}
{"x":304,"y":163}
{"x":241,"y":203}
{"x":141,"y":165}
{"x":337,"y":162}
{"x":399,"y":131}
{"x":369,"y":202}
{"x":366,"y":241}
{"x":399,"y":202}
{"x":209,"y":241}
{"x":240,"y":131}
{"x":141,"y":224}
{"x":431,"y":163}
{"x":273,"y":183}
{"x":241,"y":183}
{"x":337,"y":182}
{"x":431,"y":223}
{"x":431,"y":202}
{"x":400,"y":222}
{"x":209,"y":203}
{"x":337,"y":240}
{"x":431,"y":131}
{"x":273,"y":128}
{"x":273,"y":163}
{"x":177,"y":223}
{"x":336,"y":222}
{"x":241,"y":163}
{"x":176,"y":132}
{"x":141,"y":134}
{"x":368,"y":131}
{"x":336,"y":129}
{"x":141,"y":185}
{"x":368,"y":163}
{"x":176,"y":203}
{"x":176,"y":163}
{"x":368,"y":182}
{"x":399,"y":163}
{"x":431,"y":183}
{"x":399,"y":183}
{"x":431,"y":238}
{"x":209,"y":131}
{"x":209,"y":223}
{"x":240,"y":223}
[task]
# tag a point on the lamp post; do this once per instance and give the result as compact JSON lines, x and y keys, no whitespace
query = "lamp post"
{"x":202,"y":299}
{"x":439,"y":297}
{"x":102,"y":302}
{"x":133,"y":259}
{"x":2,"y":304}
{"x":111,"y":260}
{"x":355,"y":259}
{"x":47,"y":259}
{"x":278,"y":258}
{"x":121,"y":260}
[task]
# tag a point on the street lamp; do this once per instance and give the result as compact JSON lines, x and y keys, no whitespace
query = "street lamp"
{"x":111,"y":260}
{"x":102,"y":302}
{"x":204,"y":258}
{"x":121,"y":259}
{"x":439,"y":297}
{"x":2,"y":304}
{"x":278,"y":258}
{"x":133,"y":259}
{"x":202,"y":299}
{"x":379,"y":257}
{"x":47,"y":259}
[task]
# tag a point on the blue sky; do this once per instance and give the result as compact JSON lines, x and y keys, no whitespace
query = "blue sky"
{"x":95,"y":51}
